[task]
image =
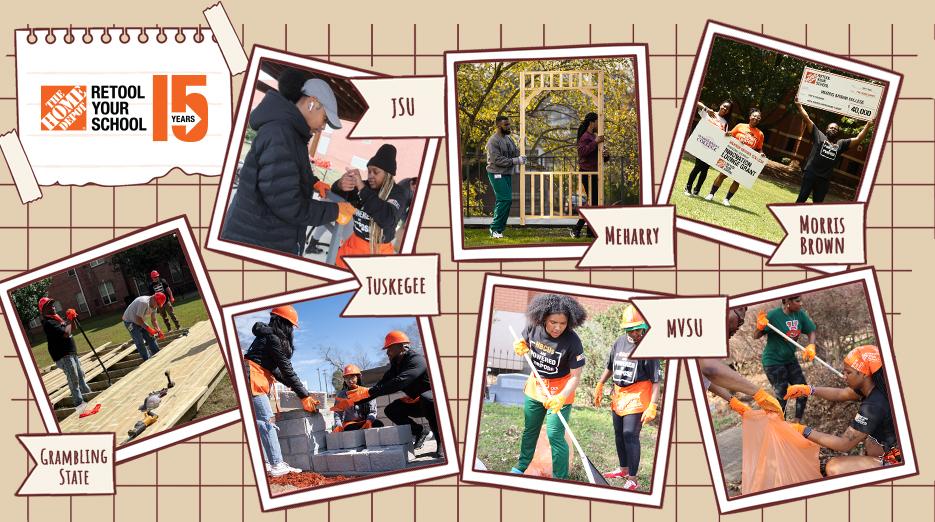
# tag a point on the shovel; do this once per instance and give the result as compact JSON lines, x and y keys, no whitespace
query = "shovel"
{"x":594,"y":475}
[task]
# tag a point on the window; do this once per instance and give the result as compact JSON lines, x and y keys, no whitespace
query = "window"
{"x":36,"y":322}
{"x":72,"y":273}
{"x":97,"y":262}
{"x":141,"y":287}
{"x":82,"y":303}
{"x":175,"y":271}
{"x":108,"y":294}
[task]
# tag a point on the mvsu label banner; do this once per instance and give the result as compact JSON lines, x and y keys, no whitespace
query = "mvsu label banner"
{"x":121,"y":106}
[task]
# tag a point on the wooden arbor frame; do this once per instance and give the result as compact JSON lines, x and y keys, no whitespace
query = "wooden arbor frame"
{"x":531,"y":84}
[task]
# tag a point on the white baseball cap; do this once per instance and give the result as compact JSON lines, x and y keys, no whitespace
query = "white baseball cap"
{"x":322,"y":91}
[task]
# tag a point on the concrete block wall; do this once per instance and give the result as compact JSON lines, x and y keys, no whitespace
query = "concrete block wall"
{"x":288,"y":400}
{"x":302,"y":435}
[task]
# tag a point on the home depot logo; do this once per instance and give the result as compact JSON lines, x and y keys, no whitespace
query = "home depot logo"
{"x":811,"y":77}
{"x":64,"y":107}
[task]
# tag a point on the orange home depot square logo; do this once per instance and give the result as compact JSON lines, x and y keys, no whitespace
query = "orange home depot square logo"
{"x":811,"y":77}
{"x":64,"y":107}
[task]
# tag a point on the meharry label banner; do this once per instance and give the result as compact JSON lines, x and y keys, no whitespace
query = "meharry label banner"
{"x":727,"y":155}
{"x":121,"y":106}
{"x":832,"y":92}
{"x":630,"y":236}
{"x":70,"y":464}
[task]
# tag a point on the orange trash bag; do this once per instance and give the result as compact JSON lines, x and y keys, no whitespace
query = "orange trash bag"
{"x":541,"y":465}
{"x":775,"y":454}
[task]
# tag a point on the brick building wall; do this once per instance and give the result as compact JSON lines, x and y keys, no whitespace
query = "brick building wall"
{"x":507,"y":299}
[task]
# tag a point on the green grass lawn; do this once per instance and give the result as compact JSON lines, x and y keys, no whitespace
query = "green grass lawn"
{"x":516,"y":235}
{"x":747,"y":214}
{"x":501,"y":427}
{"x":102,"y":329}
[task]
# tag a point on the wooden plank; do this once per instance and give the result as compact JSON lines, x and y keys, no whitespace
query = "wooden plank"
{"x":115,"y":357}
{"x":194,"y":361}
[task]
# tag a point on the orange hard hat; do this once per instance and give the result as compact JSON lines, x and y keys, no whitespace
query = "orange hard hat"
{"x":351,"y":369}
{"x":632,"y":320}
{"x":288,"y":313}
{"x":865,"y":359}
{"x":160,"y":299}
{"x":395,"y":337}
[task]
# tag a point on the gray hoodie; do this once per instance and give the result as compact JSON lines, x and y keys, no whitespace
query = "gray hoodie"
{"x":501,"y":154}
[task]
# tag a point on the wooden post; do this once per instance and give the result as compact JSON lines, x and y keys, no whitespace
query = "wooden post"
{"x":522,"y":147}
{"x":600,"y":147}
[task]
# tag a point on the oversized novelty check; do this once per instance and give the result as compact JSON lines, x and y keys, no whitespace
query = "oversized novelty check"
{"x":846,"y":96}
{"x":727,"y":155}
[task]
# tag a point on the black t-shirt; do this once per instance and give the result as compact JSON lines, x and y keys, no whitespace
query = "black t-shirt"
{"x":159,"y":285}
{"x":627,"y":371}
{"x":60,"y":343}
{"x":554,"y":357}
{"x":824,"y":155}
{"x":875,"y":419}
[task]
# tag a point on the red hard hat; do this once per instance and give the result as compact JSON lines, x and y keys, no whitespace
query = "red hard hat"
{"x":351,"y":369}
{"x":288,"y":313}
{"x":154,"y":274}
{"x":44,"y":301}
{"x":395,"y":337}
{"x":160,"y":299}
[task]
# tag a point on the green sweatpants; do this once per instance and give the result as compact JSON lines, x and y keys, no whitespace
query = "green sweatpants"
{"x":534,"y":413}
{"x":503,"y":191}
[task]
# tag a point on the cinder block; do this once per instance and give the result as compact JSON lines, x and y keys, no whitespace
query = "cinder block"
{"x":320,"y":462}
{"x":333,"y":440}
{"x":341,"y":461}
{"x":300,"y":461}
{"x":387,"y":459}
{"x":300,"y":423}
{"x":362,"y":462}
{"x":395,"y":435}
{"x":288,"y":400}
{"x":316,"y":442}
{"x":352,"y":439}
{"x":297,"y":445}
{"x":372,"y":437}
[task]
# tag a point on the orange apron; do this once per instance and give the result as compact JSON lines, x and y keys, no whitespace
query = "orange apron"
{"x":534,"y":391}
{"x":261,"y":379}
{"x":355,"y":246}
{"x":631,"y":399}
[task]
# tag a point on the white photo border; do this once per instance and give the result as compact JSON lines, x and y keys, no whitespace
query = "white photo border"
{"x":867,"y":276}
{"x":364,"y":485}
{"x":568,"y":488}
{"x":303,"y":266}
{"x":639,"y":53}
{"x":178,"y":225}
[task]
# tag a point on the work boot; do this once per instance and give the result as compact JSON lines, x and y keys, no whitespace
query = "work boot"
{"x":420,"y":439}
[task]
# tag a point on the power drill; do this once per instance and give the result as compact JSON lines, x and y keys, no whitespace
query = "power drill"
{"x":150,"y":403}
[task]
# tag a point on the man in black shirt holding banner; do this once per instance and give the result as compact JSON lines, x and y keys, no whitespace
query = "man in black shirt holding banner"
{"x":825,"y":155}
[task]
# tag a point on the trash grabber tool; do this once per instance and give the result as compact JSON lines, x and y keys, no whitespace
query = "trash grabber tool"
{"x":594,"y":475}
{"x":96,"y":356}
{"x":786,"y":337}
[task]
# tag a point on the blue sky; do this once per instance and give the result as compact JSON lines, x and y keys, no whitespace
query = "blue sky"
{"x":321,"y":325}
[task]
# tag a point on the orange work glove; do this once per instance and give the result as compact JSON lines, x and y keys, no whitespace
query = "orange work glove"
{"x":358,"y":394}
{"x":70,"y":314}
{"x":366,"y":425}
{"x":161,"y":335}
{"x":738,"y":406}
{"x":309,"y":404}
{"x":799,"y":428}
{"x":794,"y":391}
{"x":520,"y":347}
{"x":337,"y":429}
{"x":598,"y":394}
{"x":322,"y":188}
{"x":150,"y":329}
{"x":767,"y":401}
{"x":809,"y":354}
{"x":341,"y":404}
{"x":555,"y":403}
{"x":761,"y":321}
{"x":649,"y":413}
{"x":345,"y":213}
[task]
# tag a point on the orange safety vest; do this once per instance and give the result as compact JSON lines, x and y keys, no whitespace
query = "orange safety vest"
{"x":355,"y":246}
{"x":534,"y":391}
{"x":634,"y":398}
{"x":261,"y":379}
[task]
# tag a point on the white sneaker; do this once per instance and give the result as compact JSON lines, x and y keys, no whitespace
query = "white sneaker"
{"x":81,"y":407}
{"x":268,"y":467}
{"x":726,"y":202}
{"x":709,"y":197}
{"x":283,"y":469}
{"x":496,"y":235}
{"x":687,"y":193}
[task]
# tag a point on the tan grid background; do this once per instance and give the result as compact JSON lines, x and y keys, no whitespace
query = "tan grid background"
{"x":208,"y":478}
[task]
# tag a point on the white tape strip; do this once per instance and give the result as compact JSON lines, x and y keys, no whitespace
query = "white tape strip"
{"x":227,"y":39}
{"x":19,"y":166}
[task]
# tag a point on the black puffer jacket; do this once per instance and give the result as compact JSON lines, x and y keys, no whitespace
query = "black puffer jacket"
{"x":272,"y":353}
{"x":273,"y":204}
{"x":408,"y":375}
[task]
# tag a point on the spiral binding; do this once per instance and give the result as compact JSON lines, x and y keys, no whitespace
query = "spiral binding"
{"x":123,"y":37}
